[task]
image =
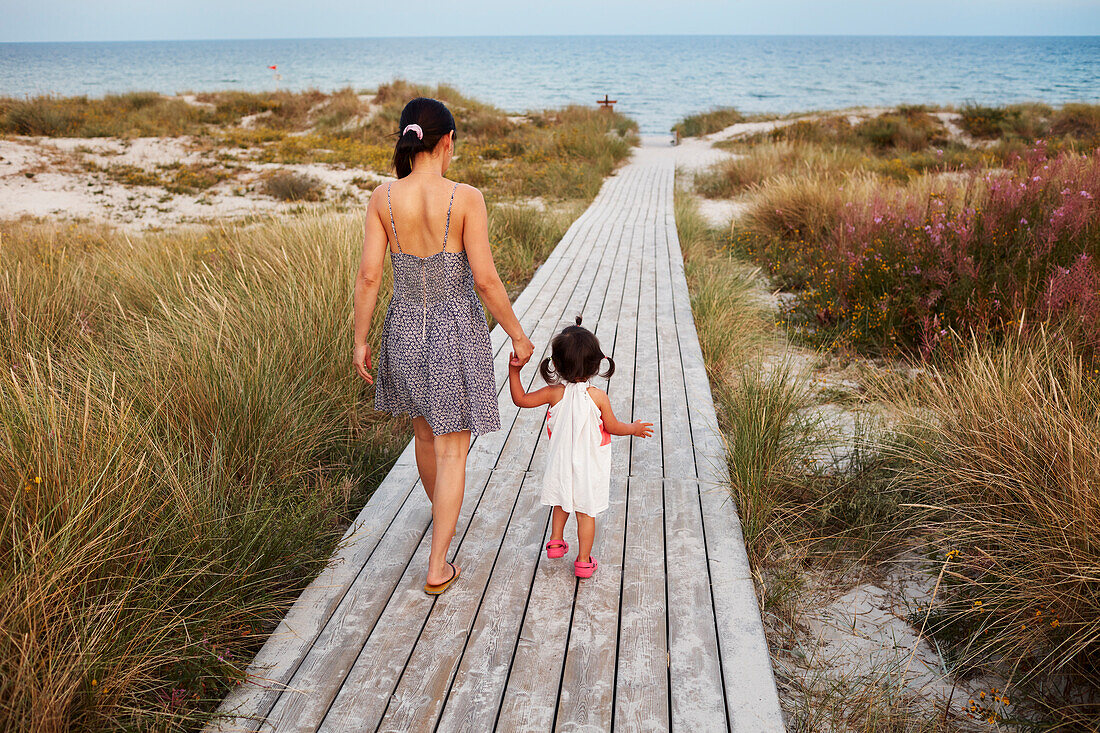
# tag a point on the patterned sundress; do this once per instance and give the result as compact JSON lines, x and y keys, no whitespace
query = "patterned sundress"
{"x":435,"y":359}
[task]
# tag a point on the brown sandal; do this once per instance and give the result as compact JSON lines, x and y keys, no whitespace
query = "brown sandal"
{"x":435,"y":590}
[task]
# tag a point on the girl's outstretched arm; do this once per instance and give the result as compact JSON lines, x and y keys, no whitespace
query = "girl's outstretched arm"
{"x":611,"y":423}
{"x":548,"y":395}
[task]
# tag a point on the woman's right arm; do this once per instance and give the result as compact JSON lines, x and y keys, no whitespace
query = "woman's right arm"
{"x":367,"y":282}
{"x":475,"y":239}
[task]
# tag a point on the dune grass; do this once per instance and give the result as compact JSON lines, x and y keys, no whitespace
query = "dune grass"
{"x":1003,"y":443}
{"x":704,"y":123}
{"x":115,"y":115}
{"x":182,"y":442}
{"x":555,"y":154}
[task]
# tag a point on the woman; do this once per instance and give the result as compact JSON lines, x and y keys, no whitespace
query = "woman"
{"x":435,"y":362}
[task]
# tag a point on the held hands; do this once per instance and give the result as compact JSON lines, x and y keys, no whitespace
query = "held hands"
{"x":361,"y":359}
{"x":522,"y":349}
{"x":642,"y":429}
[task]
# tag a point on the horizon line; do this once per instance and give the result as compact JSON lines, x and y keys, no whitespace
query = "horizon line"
{"x":566,"y":35}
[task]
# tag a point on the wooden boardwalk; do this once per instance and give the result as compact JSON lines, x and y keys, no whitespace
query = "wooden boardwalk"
{"x":666,"y":635}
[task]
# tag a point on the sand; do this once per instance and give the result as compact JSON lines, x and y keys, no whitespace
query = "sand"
{"x":58,"y":179}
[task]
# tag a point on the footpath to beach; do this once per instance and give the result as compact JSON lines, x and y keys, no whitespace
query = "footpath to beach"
{"x":666,"y":635}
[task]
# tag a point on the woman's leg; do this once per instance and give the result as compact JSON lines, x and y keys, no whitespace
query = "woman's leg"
{"x":586,"y":535}
{"x":424,"y":443}
{"x":450,"y":484}
{"x":557,"y":523}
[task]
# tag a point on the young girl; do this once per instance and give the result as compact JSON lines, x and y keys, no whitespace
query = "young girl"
{"x":580,"y":424}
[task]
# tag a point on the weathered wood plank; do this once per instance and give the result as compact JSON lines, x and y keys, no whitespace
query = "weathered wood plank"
{"x":751,"y":697}
{"x":641,"y":686}
{"x":588,"y":679}
{"x":530,"y":697}
{"x":479,"y":680}
{"x":427,"y":676}
{"x":695,"y":674}
{"x":280,"y":656}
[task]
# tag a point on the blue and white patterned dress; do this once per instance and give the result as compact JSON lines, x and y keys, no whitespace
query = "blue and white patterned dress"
{"x":435,"y":359}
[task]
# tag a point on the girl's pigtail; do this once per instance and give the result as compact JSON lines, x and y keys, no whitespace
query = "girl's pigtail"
{"x":610,"y":368}
{"x":547,"y":371}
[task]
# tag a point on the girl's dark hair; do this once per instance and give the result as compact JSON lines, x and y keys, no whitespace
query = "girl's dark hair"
{"x":436,"y":122}
{"x":575,"y":356}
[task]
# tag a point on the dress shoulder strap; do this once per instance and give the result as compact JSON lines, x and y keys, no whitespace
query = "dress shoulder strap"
{"x":450,"y":206}
{"x":392,"y":226}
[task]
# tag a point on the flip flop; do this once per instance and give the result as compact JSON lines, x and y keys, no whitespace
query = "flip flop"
{"x":435,"y":590}
{"x":556,"y":549}
{"x":585,"y":569}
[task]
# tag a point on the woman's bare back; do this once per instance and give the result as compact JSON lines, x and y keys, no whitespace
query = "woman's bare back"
{"x":419,"y":204}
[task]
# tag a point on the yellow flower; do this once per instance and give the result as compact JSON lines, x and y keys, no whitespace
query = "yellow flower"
{"x":38,"y":479}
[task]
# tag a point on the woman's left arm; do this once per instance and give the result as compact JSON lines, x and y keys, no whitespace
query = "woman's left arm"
{"x":367,"y":282}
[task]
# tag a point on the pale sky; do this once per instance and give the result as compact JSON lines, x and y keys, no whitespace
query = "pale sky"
{"x":112,"y":20}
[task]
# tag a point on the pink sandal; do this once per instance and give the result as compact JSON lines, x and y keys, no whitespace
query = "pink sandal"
{"x":556,"y":549}
{"x":585,"y":569}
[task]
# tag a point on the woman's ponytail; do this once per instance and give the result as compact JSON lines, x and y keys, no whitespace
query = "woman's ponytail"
{"x":424,"y":122}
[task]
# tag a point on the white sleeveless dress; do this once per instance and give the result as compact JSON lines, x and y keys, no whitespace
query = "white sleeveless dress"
{"x":578,"y":471}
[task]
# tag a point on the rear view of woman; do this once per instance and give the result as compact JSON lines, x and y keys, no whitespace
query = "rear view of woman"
{"x":434,"y":362}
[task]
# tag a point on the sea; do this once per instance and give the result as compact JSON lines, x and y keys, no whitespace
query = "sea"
{"x":654,"y":79}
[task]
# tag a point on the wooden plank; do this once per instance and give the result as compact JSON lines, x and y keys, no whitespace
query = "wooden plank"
{"x":695,"y":674}
{"x":366,"y":692}
{"x":588,"y":678}
{"x":479,"y":680}
{"x":751,"y":696}
{"x":427,"y":677}
{"x":363,"y":697}
{"x":641,"y":686}
{"x":530,"y":696}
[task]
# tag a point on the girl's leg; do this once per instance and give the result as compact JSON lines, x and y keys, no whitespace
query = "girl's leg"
{"x":424,"y":443}
{"x":450,"y":484}
{"x":557,"y":524}
{"x":586,"y":535}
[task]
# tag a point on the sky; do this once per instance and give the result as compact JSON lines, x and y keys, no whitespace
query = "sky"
{"x":121,"y":20}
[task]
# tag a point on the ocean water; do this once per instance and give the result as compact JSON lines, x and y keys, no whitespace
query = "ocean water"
{"x":656,"y":79}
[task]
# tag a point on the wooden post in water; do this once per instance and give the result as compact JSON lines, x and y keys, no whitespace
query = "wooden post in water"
{"x":607,"y":104}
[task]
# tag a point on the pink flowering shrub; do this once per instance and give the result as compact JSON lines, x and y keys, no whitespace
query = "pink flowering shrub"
{"x":894,"y":268}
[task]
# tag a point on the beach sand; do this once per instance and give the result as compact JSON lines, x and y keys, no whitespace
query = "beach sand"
{"x":67,"y":179}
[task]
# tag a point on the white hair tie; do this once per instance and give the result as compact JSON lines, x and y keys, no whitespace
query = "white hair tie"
{"x":415,"y":128}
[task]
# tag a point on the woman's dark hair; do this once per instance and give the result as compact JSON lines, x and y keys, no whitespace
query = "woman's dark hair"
{"x":575,"y":356}
{"x":435,"y":122}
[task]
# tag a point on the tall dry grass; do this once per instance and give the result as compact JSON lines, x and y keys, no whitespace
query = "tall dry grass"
{"x":182,"y":441}
{"x":1003,"y":444}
